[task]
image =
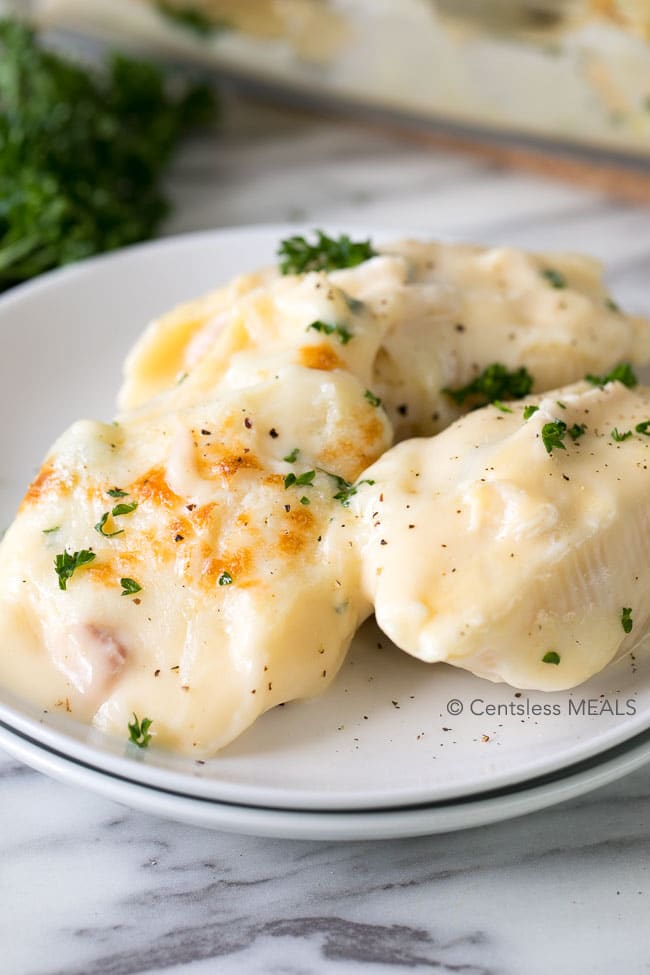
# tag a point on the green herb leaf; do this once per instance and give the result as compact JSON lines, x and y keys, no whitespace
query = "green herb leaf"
{"x":130,"y":587}
{"x":306,"y":479}
{"x":620,"y":437}
{"x":297,"y":255}
{"x":82,"y":152}
{"x":626,"y":619}
{"x":529,"y":410}
{"x":553,"y":435}
{"x":622,"y":373}
{"x":554,"y":277}
{"x":494,"y":383}
{"x":551,"y":657}
{"x":48,"y":531}
{"x":305,"y":500}
{"x":349,"y":491}
{"x":67,"y":563}
{"x":117,"y":493}
{"x":124,"y":509}
{"x":293,"y":456}
{"x":372,"y":399}
{"x":139,"y":731}
{"x":343,"y":334}
{"x":225,"y":579}
{"x":576,"y":431}
{"x":643,"y":428}
{"x":99,"y":527}
{"x":501,"y":406}
{"x":561,"y":404}
{"x":611,"y":304}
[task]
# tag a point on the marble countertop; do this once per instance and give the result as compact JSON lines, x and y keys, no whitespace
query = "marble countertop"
{"x":90,"y":888}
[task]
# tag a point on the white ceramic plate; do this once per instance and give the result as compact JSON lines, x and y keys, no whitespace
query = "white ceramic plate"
{"x":383,"y":736}
{"x":418,"y":820}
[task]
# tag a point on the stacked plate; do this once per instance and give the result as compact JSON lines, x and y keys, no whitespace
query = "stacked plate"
{"x":395,"y":747}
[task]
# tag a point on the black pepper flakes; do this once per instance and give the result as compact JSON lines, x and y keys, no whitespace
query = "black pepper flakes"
{"x":273,"y":433}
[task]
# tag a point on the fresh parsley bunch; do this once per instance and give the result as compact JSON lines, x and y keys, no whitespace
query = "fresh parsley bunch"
{"x":82,"y":153}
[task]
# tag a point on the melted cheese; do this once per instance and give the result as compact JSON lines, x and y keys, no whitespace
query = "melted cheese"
{"x":483,"y":550}
{"x":202,"y":656}
{"x":432,"y":316}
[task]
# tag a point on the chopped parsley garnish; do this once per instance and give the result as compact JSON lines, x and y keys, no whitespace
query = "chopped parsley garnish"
{"x":130,"y":587}
{"x":67,"y":563}
{"x":529,"y":410}
{"x":124,"y":509}
{"x":139,"y":731}
{"x":561,"y":404}
{"x":626,"y":619}
{"x":622,"y":373}
{"x":346,"y":489}
{"x":611,"y":304}
{"x":372,"y":399}
{"x":620,"y":437}
{"x":342,"y":333}
{"x":117,"y":493}
{"x":576,"y":431}
{"x":553,"y":435}
{"x":643,"y":428}
{"x":551,"y":657}
{"x":554,"y":277}
{"x":82,"y":152}
{"x":225,"y":579}
{"x":297,"y":255}
{"x":305,"y":500}
{"x":302,"y":480}
{"x":496,"y":383}
{"x":191,"y":18}
{"x":48,"y":531}
{"x":99,"y":527}
{"x":501,"y":406}
{"x":292,"y":457}
{"x":119,"y":509}
{"x":345,"y":494}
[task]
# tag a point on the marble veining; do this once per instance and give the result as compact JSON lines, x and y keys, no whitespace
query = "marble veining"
{"x":90,"y":888}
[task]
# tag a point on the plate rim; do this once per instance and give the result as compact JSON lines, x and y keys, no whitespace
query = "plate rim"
{"x":327,"y":825}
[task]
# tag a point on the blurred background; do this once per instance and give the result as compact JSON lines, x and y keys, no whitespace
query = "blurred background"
{"x":313,"y":110}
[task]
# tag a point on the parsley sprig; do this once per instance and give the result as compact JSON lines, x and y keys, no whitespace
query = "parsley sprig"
{"x":82,"y":153}
{"x":346,"y":489}
{"x":297,"y":255}
{"x":551,"y":657}
{"x":301,"y":480}
{"x":118,"y":510}
{"x":554,"y":277}
{"x":67,"y":563}
{"x":343,"y":334}
{"x":130,"y":587}
{"x":495,"y":384}
{"x":139,"y":731}
{"x":626,"y":619}
{"x":553,"y":434}
{"x":622,"y":373}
